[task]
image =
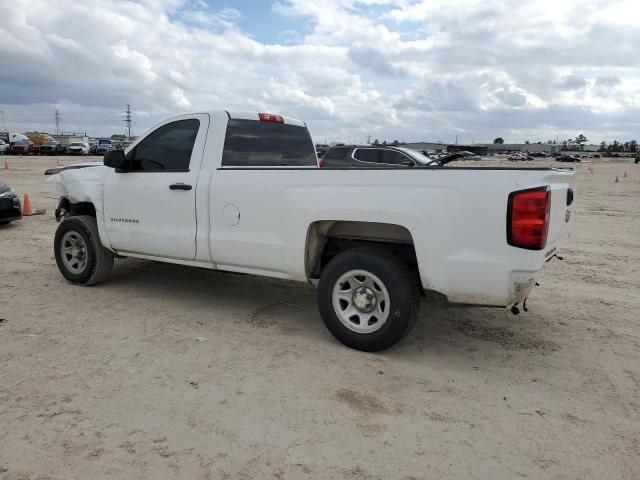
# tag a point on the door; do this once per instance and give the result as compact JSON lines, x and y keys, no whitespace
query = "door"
{"x":150,"y":206}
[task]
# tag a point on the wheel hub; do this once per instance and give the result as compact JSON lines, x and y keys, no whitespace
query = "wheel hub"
{"x":73,"y":251}
{"x":361,"y":301}
{"x":364,"y":299}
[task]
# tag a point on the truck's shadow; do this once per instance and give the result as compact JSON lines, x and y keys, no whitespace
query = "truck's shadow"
{"x":290,"y":307}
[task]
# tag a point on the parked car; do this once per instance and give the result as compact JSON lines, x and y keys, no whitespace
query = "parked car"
{"x":321,"y":149}
{"x":78,"y":148}
{"x":242,"y":192}
{"x":4,"y":147}
{"x":520,"y":157}
{"x":22,"y":147}
{"x":103,"y":147}
{"x":567,"y":158}
{"x":366,"y":156}
{"x":49,"y":148}
{"x":10,"y":208}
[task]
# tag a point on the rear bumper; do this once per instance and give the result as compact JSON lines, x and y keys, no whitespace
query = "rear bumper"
{"x":474,"y":279}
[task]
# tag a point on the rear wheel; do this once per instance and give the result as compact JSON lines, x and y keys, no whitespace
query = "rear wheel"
{"x":368,"y":298}
{"x":79,"y":253}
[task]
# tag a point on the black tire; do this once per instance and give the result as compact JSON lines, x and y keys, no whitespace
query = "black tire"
{"x":99,"y":262}
{"x":398,"y":280}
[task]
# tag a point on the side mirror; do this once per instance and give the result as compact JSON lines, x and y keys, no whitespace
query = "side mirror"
{"x":115,"y":159}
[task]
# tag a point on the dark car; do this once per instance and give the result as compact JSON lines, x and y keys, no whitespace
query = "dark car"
{"x":49,"y":148}
{"x":62,"y":149}
{"x":567,"y":158}
{"x":367,"y":156}
{"x":321,"y":149}
{"x":10,"y":208}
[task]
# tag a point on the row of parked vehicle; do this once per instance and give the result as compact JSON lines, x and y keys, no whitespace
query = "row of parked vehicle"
{"x":25,"y":147}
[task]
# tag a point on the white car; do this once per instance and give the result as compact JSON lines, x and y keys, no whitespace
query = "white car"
{"x":4,"y":147}
{"x":78,"y":148}
{"x":242,"y":192}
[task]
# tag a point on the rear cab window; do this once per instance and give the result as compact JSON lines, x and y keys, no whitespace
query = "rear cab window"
{"x":259,"y":143}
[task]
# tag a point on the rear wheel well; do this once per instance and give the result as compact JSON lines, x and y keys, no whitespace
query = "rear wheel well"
{"x":326,"y":239}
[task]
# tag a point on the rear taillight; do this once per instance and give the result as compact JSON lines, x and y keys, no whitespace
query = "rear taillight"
{"x":528,"y":218}
{"x":270,"y":117}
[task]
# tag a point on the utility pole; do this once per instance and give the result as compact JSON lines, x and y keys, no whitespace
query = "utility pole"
{"x":369,"y":139}
{"x":127,"y":120}
{"x":3,"y":122}
{"x":58,"y":118}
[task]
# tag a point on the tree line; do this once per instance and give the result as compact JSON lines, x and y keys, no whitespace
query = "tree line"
{"x":579,"y":142}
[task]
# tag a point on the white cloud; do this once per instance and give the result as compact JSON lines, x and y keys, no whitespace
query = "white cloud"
{"x":402,"y":69}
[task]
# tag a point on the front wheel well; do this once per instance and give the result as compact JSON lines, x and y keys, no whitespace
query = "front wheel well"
{"x":68,"y":209}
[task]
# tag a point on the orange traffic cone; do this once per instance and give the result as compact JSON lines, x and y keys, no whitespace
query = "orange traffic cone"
{"x":616,"y":180}
{"x":26,"y":206}
{"x":6,"y":165}
{"x":625,"y":174}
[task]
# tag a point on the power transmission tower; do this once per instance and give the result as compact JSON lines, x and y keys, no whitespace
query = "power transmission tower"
{"x":58,"y":118}
{"x":127,"y":120}
{"x":3,"y":122}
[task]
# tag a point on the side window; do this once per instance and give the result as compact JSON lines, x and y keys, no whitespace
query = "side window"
{"x":167,"y":149}
{"x":336,"y":153}
{"x":393,"y":157}
{"x":370,"y":155}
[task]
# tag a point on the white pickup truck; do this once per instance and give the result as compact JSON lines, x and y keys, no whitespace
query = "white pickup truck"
{"x":242,"y":192}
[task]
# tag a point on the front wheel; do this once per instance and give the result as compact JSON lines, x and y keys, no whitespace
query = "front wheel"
{"x":368,"y":298}
{"x":80,"y":256}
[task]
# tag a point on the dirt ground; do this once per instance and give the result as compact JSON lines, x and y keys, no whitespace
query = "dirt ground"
{"x":174,"y":372}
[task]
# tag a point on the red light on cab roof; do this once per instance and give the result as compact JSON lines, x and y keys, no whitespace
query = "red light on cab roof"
{"x":270,"y":117}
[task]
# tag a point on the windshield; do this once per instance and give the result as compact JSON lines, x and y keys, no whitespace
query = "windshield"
{"x":417,"y":156}
{"x":75,"y":144}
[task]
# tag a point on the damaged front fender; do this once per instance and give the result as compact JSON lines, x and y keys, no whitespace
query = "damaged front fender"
{"x":78,"y":185}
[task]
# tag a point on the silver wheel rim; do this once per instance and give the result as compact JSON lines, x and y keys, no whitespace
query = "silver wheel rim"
{"x":73,"y":251}
{"x":361,"y":301}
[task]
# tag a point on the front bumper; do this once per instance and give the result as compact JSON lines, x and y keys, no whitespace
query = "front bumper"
{"x":10,"y":209}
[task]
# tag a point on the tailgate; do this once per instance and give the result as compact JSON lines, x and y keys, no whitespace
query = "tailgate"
{"x":562,"y":184}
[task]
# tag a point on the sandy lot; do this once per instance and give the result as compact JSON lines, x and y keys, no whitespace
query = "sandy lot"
{"x":174,"y":372}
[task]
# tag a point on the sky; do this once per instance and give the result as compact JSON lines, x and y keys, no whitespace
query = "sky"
{"x":409,"y":70}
